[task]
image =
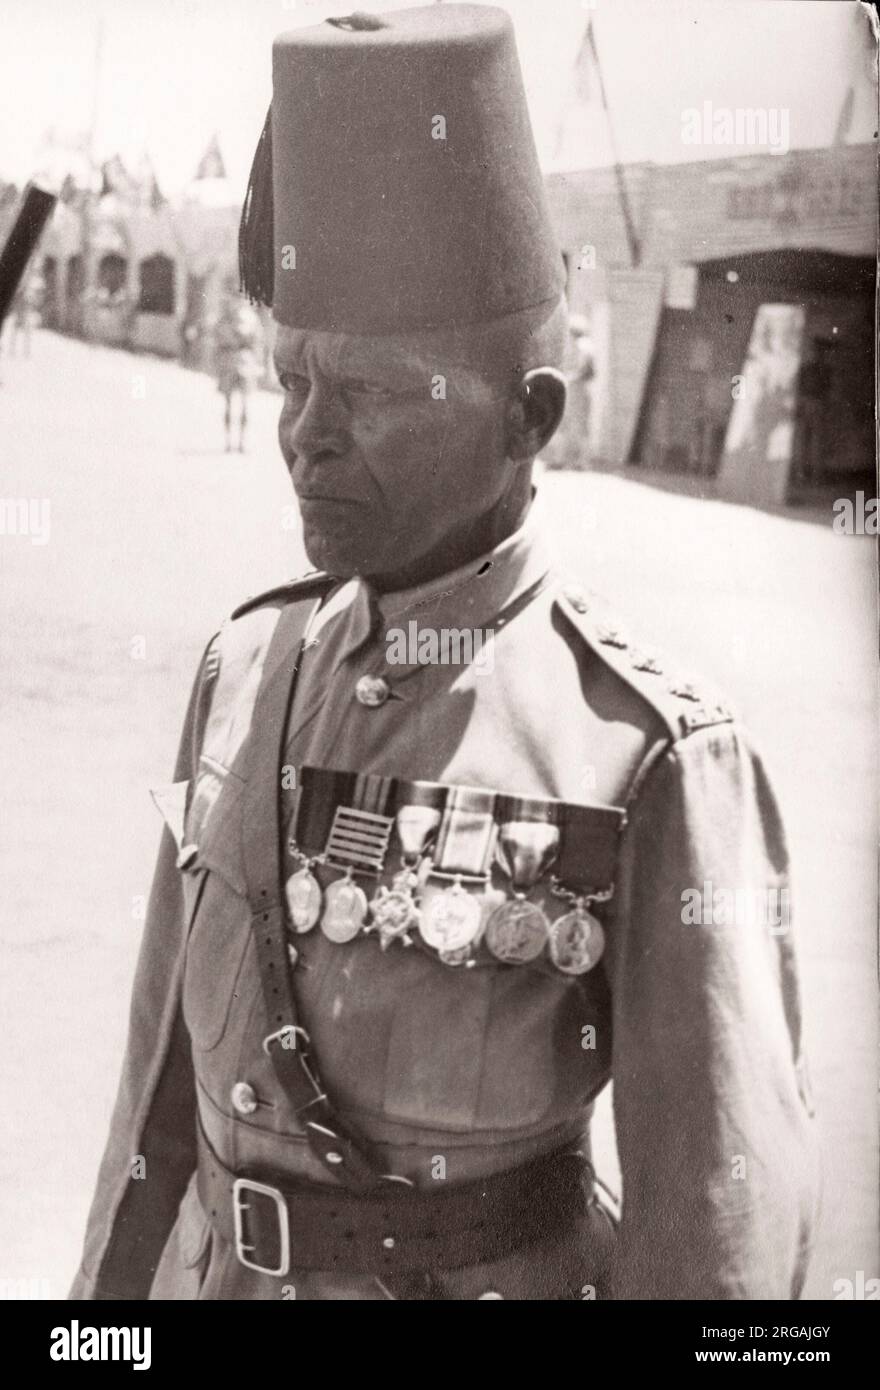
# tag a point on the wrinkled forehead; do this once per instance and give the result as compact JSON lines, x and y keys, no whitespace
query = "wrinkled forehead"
{"x":402,"y":357}
{"x":497,"y":351}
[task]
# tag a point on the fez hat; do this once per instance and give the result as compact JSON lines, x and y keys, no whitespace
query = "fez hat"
{"x":396,"y":185}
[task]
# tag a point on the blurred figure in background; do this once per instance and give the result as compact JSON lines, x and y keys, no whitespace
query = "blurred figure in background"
{"x":24,"y":314}
{"x":814,"y":390}
{"x":237,"y":338}
{"x":571,"y":446}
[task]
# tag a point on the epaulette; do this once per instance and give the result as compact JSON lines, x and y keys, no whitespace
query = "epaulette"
{"x":679,"y":703}
{"x":311,"y":583}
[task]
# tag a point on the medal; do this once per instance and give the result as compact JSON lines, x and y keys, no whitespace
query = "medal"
{"x":345,"y":907}
{"x":584,"y":873}
{"x":452,"y":920}
{"x":576,"y":941}
{"x":356,"y":841}
{"x":528,"y":841}
{"x":516,"y":933}
{"x":395,"y":910}
{"x":303,"y":891}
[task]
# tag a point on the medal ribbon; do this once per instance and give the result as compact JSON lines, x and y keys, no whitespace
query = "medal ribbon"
{"x":346,"y":814}
{"x":419,"y":809}
{"x":528,"y":839}
{"x":588,"y":850}
{"x":467,"y":834}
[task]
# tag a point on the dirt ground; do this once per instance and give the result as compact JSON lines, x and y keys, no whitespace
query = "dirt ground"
{"x":155,"y":534}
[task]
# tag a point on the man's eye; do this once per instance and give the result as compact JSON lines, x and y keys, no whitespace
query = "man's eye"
{"x":295,"y":385}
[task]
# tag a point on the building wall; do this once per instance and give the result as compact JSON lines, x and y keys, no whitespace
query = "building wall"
{"x":686,"y":215}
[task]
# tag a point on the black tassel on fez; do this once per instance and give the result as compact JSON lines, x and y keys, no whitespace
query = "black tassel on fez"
{"x":256,"y":232}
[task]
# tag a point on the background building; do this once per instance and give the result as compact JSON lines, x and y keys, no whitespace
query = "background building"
{"x":695,"y":371}
{"x":121,"y":264}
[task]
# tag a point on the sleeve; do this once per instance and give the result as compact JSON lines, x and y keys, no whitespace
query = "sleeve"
{"x":712,"y":1112}
{"x":151,"y":1149}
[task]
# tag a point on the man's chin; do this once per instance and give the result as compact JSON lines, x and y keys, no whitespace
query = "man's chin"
{"x":338,"y":560}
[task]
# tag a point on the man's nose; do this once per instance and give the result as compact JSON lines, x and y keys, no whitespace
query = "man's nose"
{"x":320,"y":427}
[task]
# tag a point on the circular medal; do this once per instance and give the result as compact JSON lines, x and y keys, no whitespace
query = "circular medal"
{"x":451,"y":920}
{"x":517,"y":932}
{"x":576,"y":942}
{"x":394,"y":912}
{"x":345,"y":907}
{"x":303,"y":893}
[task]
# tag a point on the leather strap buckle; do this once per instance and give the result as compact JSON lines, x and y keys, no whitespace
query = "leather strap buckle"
{"x":281,"y":1033}
{"x":240,"y":1206}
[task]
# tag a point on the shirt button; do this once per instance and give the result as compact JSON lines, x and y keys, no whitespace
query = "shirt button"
{"x":372,"y":691}
{"x":244,"y":1098}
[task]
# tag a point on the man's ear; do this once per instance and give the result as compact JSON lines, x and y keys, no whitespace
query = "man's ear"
{"x":535,"y":412}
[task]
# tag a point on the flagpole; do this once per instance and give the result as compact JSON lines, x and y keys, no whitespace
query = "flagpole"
{"x":632,"y":238}
{"x":91,"y":144}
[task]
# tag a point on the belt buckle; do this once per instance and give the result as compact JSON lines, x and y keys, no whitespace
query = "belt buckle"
{"x":239,"y":1207}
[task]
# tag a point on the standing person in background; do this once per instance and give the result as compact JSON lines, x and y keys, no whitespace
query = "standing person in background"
{"x":572,"y":448}
{"x":25,"y":314}
{"x":579,"y":377}
{"x":236,"y":347}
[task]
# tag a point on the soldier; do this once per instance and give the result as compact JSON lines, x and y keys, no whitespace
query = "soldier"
{"x":237,"y":337}
{"x":435,"y":817}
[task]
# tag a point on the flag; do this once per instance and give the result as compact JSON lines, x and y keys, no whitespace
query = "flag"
{"x":211,"y":164}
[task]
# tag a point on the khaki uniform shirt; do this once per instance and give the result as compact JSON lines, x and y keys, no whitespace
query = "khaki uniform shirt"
{"x":484,"y":1068}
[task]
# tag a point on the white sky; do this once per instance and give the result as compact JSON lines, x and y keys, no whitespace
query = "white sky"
{"x":174,"y":71}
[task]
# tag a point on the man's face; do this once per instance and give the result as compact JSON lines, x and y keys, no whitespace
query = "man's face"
{"x":393,"y":444}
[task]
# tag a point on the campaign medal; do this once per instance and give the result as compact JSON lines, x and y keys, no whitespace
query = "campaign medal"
{"x":345,"y":908}
{"x":357,"y":843}
{"x":576,"y":940}
{"x":583,"y":875}
{"x":516,"y":932}
{"x":303,"y":899}
{"x":395,"y":910}
{"x":453,"y":920}
{"x":303,"y":892}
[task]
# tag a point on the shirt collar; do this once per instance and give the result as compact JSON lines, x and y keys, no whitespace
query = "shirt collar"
{"x":470,"y":595}
{"x":482,"y":586}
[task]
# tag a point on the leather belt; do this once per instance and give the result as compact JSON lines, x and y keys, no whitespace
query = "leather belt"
{"x":275,"y":1224}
